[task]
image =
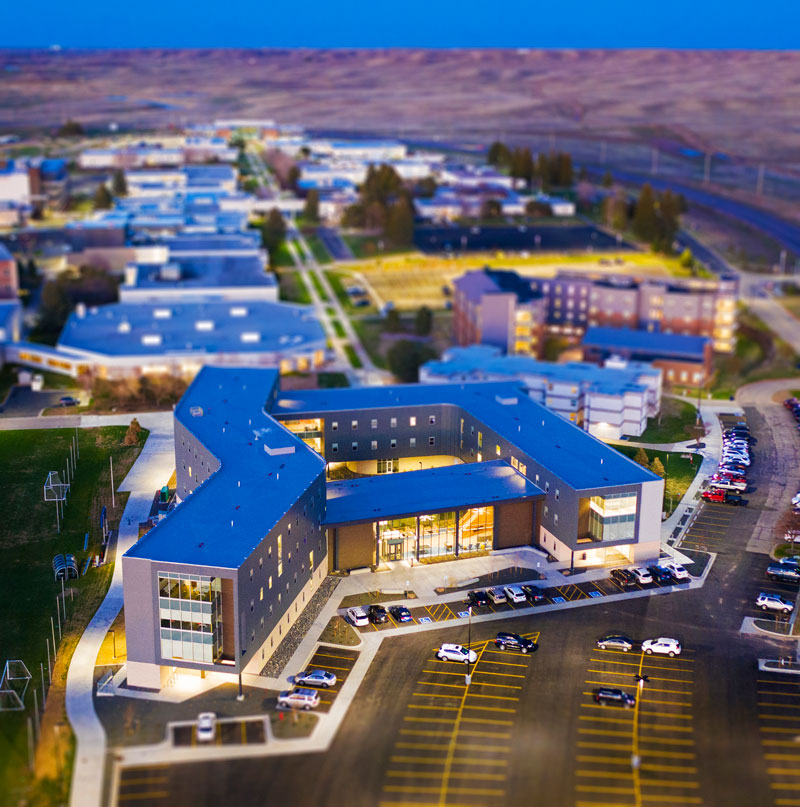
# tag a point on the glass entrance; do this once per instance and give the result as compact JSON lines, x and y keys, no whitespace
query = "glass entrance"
{"x":397,"y":539}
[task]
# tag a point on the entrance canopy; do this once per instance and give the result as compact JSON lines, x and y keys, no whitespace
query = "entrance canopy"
{"x":434,"y":490}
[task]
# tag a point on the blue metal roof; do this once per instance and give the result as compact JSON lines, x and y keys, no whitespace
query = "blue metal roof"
{"x":226,"y":518}
{"x":571,"y":454}
{"x":435,"y":489}
{"x":650,"y":342}
{"x":212,"y":271}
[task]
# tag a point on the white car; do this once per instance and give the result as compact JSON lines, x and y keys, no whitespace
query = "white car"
{"x":663,"y":646}
{"x":677,"y":571}
{"x":514,"y":594}
{"x":643,"y":576}
{"x":772,"y":602}
{"x":316,"y":678}
{"x":496,"y":595}
{"x":727,"y":484}
{"x":206,"y":727}
{"x":456,"y":652}
{"x":357,"y":616}
{"x":299,"y":699}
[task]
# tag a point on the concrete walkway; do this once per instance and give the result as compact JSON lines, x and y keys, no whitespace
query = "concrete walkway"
{"x":148,"y":420}
{"x":150,"y":471}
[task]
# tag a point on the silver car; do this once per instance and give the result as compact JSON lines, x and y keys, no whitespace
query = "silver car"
{"x":316,"y":678}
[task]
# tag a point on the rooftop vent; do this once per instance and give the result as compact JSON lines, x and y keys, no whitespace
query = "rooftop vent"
{"x":278,"y":450}
{"x":196,"y":411}
{"x":506,"y":401}
{"x":151,"y":339}
{"x":124,"y":326}
{"x":204,"y":325}
{"x":80,"y":310}
{"x":250,"y":337}
{"x":162,"y":313}
{"x":239,"y":311}
{"x":170,"y":271}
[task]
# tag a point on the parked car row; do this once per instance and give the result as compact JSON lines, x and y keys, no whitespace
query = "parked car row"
{"x":646,"y":575}
{"x":480,"y":598}
{"x":360,"y":617}
{"x":729,"y":481}
{"x":504,"y":641}
{"x":662,"y":646}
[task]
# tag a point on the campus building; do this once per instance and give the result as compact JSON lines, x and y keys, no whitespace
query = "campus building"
{"x":610,"y":401}
{"x":501,"y":308}
{"x":278,"y":488}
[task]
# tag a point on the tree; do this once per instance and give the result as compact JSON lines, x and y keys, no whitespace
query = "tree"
{"x":642,"y":458}
{"x":132,"y":435}
{"x":564,"y":176}
{"x":102,"y":198}
{"x":686,"y":259}
{"x":400,"y":222}
{"x":424,"y":321}
{"x":293,"y":177}
{"x":119,"y":187}
{"x":537,"y":209}
{"x":249,"y":184}
{"x":583,"y":174}
{"x":311,"y":210}
{"x":375,"y":216}
{"x":70,"y":128}
{"x":405,"y":357}
{"x":657,"y":467}
{"x":426,"y":187}
{"x":491,"y":209}
{"x":498,"y":155}
{"x":619,"y":212}
{"x":543,"y":170}
{"x":644,"y":219}
{"x":607,"y":180}
{"x":392,"y":322}
{"x":273,"y":231}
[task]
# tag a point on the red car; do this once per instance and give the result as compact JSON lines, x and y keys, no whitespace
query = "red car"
{"x":714,"y":495}
{"x":728,"y":477}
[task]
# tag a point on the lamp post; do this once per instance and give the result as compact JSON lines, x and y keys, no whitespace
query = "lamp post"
{"x":468,"y":676}
{"x":636,"y":759}
{"x":113,"y":641}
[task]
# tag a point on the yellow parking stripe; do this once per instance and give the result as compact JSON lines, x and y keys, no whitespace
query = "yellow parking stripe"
{"x":673,"y":799}
{"x":437,"y":684}
{"x":490,"y":709}
{"x":648,"y":713}
{"x":600,"y":789}
{"x":604,"y":774}
{"x":503,"y":663}
{"x":651,"y":677}
{"x":429,"y":760}
{"x":650,"y":700}
{"x":160,"y":794}
{"x":779,"y":717}
{"x":471,"y":791}
{"x":493,"y":697}
{"x":443,"y":708}
{"x":633,"y":687}
{"x":492,"y":722}
{"x":331,"y":655}
{"x":442,"y":719}
{"x":777,"y":682}
{"x":474,"y":673}
{"x":788,"y":757}
{"x":644,"y":766}
{"x":778,"y":703}
{"x":783,"y":771}
{"x":492,"y":777}
{"x":777,"y":692}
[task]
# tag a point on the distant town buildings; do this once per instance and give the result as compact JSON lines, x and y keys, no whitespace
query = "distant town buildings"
{"x":158,"y":152}
{"x":610,"y":401}
{"x":501,"y":308}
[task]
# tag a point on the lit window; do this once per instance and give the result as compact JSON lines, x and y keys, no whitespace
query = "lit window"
{"x":334,"y":426}
{"x":556,"y":494}
{"x":354,"y":446}
{"x":412,"y":442}
{"x":269,"y":582}
{"x":432,"y":420}
{"x":412,"y":421}
{"x":374,"y":445}
{"x":374,"y":423}
{"x":261,"y":594}
{"x":354,"y":424}
{"x":393,"y":423}
{"x":497,"y":450}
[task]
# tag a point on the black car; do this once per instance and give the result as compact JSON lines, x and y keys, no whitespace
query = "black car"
{"x":533,"y":593}
{"x":377,"y":614}
{"x":400,"y":613}
{"x":783,"y":573}
{"x":660,"y":574}
{"x":478,"y":599}
{"x":735,"y":499}
{"x":615,"y":641}
{"x":615,"y":696}
{"x":513,"y":641}
{"x":623,"y":577}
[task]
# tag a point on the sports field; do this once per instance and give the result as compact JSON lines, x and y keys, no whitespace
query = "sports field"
{"x":415,"y":279}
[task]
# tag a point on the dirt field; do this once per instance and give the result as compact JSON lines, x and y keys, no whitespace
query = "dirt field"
{"x":412,"y":280}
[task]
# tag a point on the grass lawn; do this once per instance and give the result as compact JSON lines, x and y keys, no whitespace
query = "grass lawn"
{"x":680,"y":473}
{"x":338,"y":328}
{"x":287,"y":724}
{"x":339,"y":631}
{"x":371,"y":246}
{"x":352,"y":357}
{"x":791,"y":302}
{"x":332,"y":380}
{"x":292,"y":288}
{"x":28,"y":594}
{"x":759,"y":355}
{"x":323,"y":295}
{"x":369,"y":332}
{"x":318,"y":248}
{"x":338,"y":281}
{"x":282,"y":256}
{"x":670,"y":426}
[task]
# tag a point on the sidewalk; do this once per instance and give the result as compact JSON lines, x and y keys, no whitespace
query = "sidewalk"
{"x":149,"y":472}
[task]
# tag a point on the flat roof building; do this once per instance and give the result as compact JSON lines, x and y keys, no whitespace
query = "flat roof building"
{"x":263,"y":517}
{"x":608,"y":401}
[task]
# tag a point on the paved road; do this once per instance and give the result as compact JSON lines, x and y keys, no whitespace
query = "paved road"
{"x":335,"y":244}
{"x":24,"y":402}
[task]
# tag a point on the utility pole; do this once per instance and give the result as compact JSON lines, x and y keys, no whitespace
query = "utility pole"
{"x":468,"y":676}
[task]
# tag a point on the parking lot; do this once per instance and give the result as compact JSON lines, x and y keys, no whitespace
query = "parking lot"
{"x":231,"y":732}
{"x":454,"y":743}
{"x":338,"y":660}
{"x":659,"y":731}
{"x":779,"y":726}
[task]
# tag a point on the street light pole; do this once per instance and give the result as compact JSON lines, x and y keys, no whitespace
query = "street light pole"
{"x":468,"y":676}
{"x":636,"y":759}
{"x":113,"y":641}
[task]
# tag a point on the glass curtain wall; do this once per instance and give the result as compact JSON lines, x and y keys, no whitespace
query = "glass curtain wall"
{"x":612,"y":518}
{"x":397,"y":539}
{"x":476,"y":529}
{"x":191,"y":617}
{"x":437,"y":534}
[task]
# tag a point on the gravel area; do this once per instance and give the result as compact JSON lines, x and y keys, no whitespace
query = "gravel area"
{"x":285,"y":650}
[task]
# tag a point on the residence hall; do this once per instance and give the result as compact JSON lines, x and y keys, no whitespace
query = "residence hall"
{"x":279,"y":488}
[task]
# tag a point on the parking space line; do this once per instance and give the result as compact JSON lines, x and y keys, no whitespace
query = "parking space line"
{"x":438,"y":684}
{"x":158,"y":794}
{"x":651,"y":677}
{"x":503,"y":663}
{"x":604,"y":774}
{"x":625,"y":760}
{"x":491,"y":777}
{"x":603,"y":789}
{"x":331,"y":655}
{"x":422,"y":706}
{"x":459,"y":790}
{"x":650,"y":700}
{"x":428,"y":760}
{"x":498,"y":735}
{"x":486,"y":720}
{"x":606,"y":732}
{"x":412,"y":719}
{"x":778,"y":703}
{"x":633,"y":686}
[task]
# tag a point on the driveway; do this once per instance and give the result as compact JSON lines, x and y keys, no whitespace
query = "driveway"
{"x":24,"y":402}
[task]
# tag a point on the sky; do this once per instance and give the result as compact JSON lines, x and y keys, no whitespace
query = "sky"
{"x":764,"y":24}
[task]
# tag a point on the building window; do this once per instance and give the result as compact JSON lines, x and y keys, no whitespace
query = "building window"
{"x":190,"y":615}
{"x":393,"y":443}
{"x":523,"y":469}
{"x":374,"y":423}
{"x":557,"y":493}
{"x":555,"y":519}
{"x":354,"y":446}
{"x":269,"y":582}
{"x":546,"y":487}
{"x":431,"y":441}
{"x":334,"y":448}
{"x":412,"y":442}
{"x":334,"y":426}
{"x":497,"y":450}
{"x":252,"y":606}
{"x":261,"y":594}
{"x":432,"y":420}
{"x":260,"y":563}
{"x":388,"y":466}
{"x":546,"y":510}
{"x":354,"y":425}
{"x":393,"y":423}
{"x":251,"y":573}
{"x":374,"y":445}
{"x":537,"y":478}
{"x":480,"y":439}
{"x":412,"y":421}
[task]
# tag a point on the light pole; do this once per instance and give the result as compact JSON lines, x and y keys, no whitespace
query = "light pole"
{"x":113,"y":641}
{"x":468,"y":676}
{"x":636,"y":759}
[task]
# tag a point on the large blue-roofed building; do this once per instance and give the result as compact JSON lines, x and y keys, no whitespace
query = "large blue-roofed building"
{"x":279,"y":488}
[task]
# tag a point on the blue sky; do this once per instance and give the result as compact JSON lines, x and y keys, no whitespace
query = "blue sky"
{"x":413,"y":23}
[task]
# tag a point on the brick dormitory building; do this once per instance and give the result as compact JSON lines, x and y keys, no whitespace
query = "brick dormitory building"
{"x":501,"y":308}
